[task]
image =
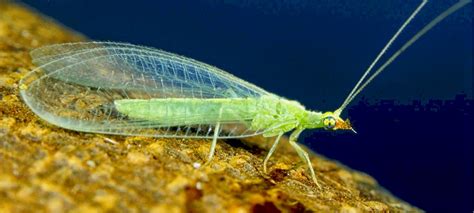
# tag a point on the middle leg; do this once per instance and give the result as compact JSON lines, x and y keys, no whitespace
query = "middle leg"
{"x":303,"y":154}
{"x":274,"y":146}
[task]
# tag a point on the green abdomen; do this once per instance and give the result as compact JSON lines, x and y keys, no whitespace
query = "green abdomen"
{"x":186,"y":111}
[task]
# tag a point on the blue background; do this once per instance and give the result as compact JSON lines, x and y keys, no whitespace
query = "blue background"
{"x":314,"y":52}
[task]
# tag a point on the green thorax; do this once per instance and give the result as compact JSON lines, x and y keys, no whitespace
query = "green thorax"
{"x":277,"y":115}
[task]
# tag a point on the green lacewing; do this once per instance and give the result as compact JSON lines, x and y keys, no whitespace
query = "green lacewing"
{"x":125,"y":89}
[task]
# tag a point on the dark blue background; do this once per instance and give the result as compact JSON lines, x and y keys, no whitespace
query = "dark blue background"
{"x":314,"y":52}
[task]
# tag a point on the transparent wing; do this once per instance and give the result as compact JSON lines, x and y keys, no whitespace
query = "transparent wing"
{"x":136,"y":67}
{"x":76,"y":85}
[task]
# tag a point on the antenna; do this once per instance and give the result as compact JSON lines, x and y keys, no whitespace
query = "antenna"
{"x":356,"y":90}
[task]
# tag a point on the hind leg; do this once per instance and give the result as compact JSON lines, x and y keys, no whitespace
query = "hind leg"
{"x":213,"y":144}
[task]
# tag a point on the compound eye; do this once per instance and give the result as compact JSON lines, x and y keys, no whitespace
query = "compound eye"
{"x":329,"y":122}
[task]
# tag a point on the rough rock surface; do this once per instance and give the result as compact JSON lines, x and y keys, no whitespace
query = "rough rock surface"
{"x":47,"y":168}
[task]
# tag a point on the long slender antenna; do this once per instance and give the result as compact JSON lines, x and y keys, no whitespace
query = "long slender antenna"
{"x":394,"y":37}
{"x":423,"y":31}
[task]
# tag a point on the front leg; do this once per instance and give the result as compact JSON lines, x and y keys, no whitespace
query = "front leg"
{"x":303,"y":154}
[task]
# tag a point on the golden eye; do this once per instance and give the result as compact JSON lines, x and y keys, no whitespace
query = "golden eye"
{"x":329,"y":122}
{"x":326,"y":122}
